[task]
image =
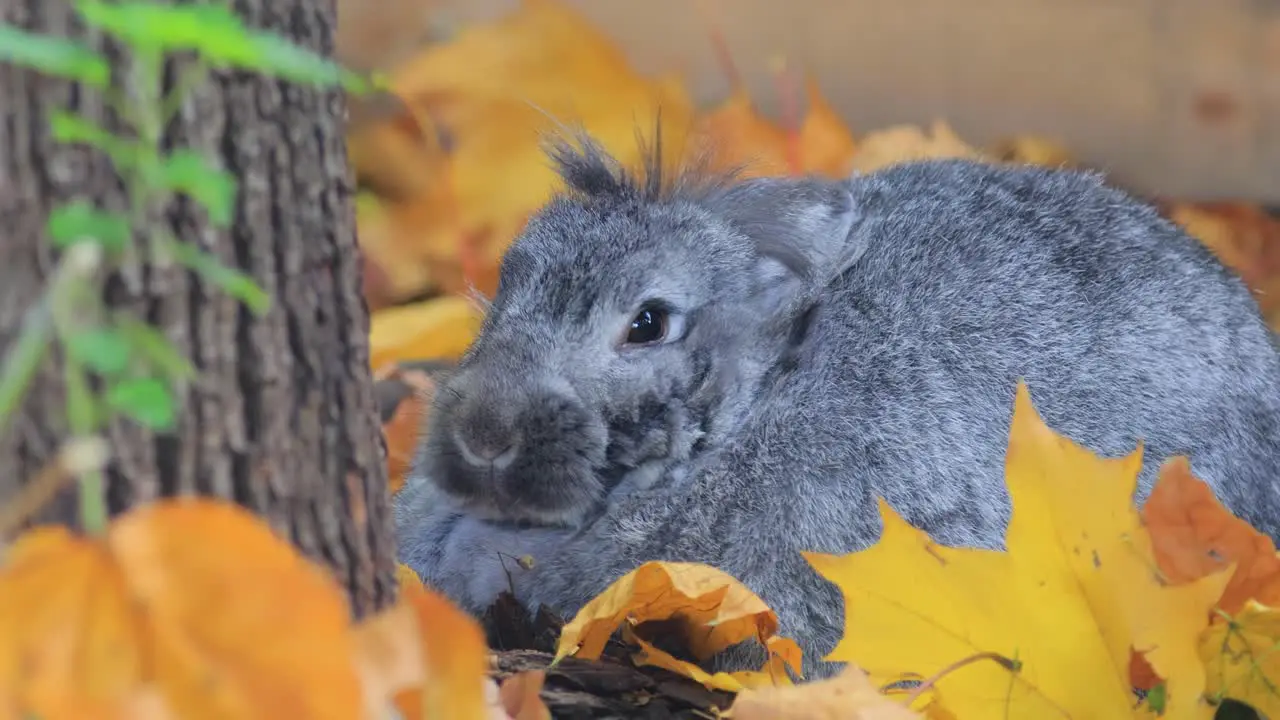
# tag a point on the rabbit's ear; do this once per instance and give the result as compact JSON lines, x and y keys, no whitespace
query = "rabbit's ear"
{"x":801,"y":228}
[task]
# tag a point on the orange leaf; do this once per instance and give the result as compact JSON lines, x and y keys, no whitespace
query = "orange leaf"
{"x":399,"y":155}
{"x":1141,"y":674}
{"x":425,"y":654}
{"x":405,"y":427}
{"x":535,"y":48}
{"x":401,"y":241}
{"x":521,"y":696}
{"x":826,"y":145}
{"x":712,"y":609}
{"x":69,"y":638}
{"x":739,"y":136}
{"x":198,"y":599}
{"x":1194,"y":536}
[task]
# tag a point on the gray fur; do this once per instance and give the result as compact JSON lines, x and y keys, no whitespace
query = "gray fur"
{"x":842,"y":340}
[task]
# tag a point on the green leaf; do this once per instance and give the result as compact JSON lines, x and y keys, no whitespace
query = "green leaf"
{"x":1156,"y":698}
{"x":189,"y":172}
{"x":146,"y":400}
{"x":156,"y":26}
{"x":79,"y":221}
{"x":233,"y":282}
{"x":102,"y":350}
{"x":54,"y":55}
{"x":283,"y":58}
{"x":70,"y":128}
{"x":220,"y":37}
{"x":217,"y":34}
{"x":152,"y":344}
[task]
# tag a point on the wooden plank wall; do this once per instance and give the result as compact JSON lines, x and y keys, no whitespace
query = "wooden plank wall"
{"x":1178,"y":97}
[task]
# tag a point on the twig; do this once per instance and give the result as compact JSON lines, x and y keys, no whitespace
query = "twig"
{"x":926,"y":684}
{"x":76,"y":457}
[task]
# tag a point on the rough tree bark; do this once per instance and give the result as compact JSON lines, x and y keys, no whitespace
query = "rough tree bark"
{"x":283,"y":419}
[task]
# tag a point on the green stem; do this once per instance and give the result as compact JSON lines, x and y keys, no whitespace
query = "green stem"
{"x":72,"y":295}
{"x":39,"y":327}
{"x":82,"y":420}
{"x":24,"y":360}
{"x":188,"y":79}
{"x":141,"y":184}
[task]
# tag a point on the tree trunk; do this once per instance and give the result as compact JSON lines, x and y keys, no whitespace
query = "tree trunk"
{"x":283,"y":418}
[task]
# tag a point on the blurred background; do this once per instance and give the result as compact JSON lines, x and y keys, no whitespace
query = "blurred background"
{"x":1177,"y":100}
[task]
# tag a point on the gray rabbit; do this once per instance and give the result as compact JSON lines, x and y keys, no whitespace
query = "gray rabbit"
{"x":706,"y":369}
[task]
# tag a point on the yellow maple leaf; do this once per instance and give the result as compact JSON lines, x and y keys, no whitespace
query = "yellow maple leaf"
{"x":713,"y":610}
{"x":1077,"y":589}
{"x":847,"y":696}
{"x":1242,"y":659}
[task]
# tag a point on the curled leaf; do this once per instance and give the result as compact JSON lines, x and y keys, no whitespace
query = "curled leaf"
{"x":712,"y":609}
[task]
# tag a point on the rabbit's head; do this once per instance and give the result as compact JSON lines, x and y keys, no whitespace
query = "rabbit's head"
{"x":634,"y":322}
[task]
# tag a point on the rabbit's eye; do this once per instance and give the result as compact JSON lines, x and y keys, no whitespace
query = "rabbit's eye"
{"x":648,"y":327}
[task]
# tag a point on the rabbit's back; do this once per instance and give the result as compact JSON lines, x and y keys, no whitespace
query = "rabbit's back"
{"x":974,"y":276}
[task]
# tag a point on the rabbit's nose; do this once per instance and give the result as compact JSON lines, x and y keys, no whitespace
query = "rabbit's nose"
{"x":485,"y":441}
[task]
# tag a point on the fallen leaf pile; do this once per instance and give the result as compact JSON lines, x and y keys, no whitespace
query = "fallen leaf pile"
{"x":196,"y":608}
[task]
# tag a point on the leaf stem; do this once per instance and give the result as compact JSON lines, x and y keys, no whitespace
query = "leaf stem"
{"x":81,"y":416}
{"x":927,"y":683}
{"x":141,"y":184}
{"x":78,"y":273}
{"x":188,"y":79}
{"x":77,"y":456}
